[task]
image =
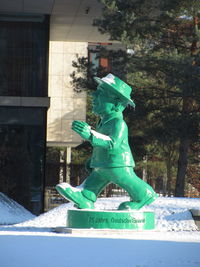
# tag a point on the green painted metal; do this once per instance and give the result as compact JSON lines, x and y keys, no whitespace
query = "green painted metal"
{"x":86,"y":219}
{"x":114,"y":84}
{"x":112,"y":160}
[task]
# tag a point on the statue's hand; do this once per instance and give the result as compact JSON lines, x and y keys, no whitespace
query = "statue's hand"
{"x":82,"y":128}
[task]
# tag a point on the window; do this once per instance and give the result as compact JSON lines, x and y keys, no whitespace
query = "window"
{"x":23,"y":57}
{"x":98,"y":59}
{"x":22,"y":146}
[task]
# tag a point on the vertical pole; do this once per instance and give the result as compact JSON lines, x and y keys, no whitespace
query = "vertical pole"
{"x":68,"y":159}
{"x":62,"y":161}
{"x":144,"y":170}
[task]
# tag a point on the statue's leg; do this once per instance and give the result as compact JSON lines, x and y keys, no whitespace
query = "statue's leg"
{"x":95,"y":183}
{"x":85,"y":195}
{"x":140,"y":192}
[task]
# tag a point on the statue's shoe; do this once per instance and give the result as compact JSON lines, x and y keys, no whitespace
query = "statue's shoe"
{"x":74,"y":194}
{"x":131,"y":205}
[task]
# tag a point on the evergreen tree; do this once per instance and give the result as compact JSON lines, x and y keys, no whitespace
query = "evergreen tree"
{"x":164,"y":36}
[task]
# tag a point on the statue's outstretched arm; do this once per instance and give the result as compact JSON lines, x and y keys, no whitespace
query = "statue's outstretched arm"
{"x":116,"y":131}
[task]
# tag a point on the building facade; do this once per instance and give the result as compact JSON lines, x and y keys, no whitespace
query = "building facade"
{"x":37,"y":105}
{"x":38,"y":42}
{"x":66,"y":104}
{"x":24,"y":45}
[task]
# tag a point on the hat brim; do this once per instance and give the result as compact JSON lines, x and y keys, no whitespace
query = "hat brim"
{"x":128,"y":100}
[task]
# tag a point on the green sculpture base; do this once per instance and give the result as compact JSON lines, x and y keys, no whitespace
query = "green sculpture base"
{"x":135,"y":220}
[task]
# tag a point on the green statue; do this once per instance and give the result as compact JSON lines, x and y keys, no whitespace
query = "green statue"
{"x":111,"y":161}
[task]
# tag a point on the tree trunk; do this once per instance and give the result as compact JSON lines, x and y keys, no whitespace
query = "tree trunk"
{"x":182,"y":167}
{"x":169,"y":176}
{"x":183,"y":147}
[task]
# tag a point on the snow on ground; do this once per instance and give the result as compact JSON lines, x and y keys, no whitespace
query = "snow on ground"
{"x":11,"y":212}
{"x":32,"y":243}
{"x":172,"y":214}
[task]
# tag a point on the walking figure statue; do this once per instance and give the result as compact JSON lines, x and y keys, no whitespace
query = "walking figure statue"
{"x":112,"y":160}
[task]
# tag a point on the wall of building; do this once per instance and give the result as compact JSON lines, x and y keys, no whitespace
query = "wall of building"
{"x":24,"y":43}
{"x":66,"y":105}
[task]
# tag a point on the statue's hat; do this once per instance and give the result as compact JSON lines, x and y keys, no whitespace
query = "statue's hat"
{"x":117,"y":86}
